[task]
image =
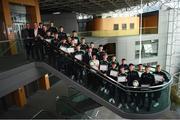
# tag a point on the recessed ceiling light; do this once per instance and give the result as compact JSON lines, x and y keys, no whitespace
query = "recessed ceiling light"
{"x":56,"y":13}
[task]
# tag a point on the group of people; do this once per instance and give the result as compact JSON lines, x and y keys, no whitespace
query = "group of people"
{"x":41,"y":42}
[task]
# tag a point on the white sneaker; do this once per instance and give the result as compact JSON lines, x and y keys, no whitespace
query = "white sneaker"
{"x":132,"y":104}
{"x":156,"y":104}
{"x":106,"y":91}
{"x":120,"y":105}
{"x":127,"y":107}
{"x":137,"y":109}
{"x":102,"y":89}
{"x":111,"y":100}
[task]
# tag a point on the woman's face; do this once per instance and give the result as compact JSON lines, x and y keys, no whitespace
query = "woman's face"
{"x":94,"y":57}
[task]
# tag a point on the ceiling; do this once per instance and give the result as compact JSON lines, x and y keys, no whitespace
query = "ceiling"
{"x":87,"y":6}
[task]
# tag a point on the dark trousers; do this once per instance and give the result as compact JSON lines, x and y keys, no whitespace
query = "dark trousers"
{"x":156,"y":96}
{"x":39,"y":53}
{"x":29,"y":51}
{"x":134,"y":97}
{"x":143,"y":98}
{"x":120,"y":96}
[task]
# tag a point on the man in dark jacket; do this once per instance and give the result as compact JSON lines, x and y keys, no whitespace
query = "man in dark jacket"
{"x":132,"y":78}
{"x":27,"y":40}
{"x":164,"y":77}
{"x":147,"y":80}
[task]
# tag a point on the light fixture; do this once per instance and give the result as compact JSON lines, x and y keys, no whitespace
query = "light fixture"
{"x":56,"y":13}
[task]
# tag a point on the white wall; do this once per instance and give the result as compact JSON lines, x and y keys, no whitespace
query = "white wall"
{"x":68,"y":20}
{"x":125,"y":48}
{"x":173,"y":51}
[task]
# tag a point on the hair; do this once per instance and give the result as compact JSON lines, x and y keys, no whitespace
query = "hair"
{"x":92,"y":43}
{"x":74,"y":31}
{"x":100,"y":45}
{"x":147,"y":66}
{"x":140,"y":64}
{"x":158,"y":66}
{"x":131,"y":64}
{"x":123,"y":59}
{"x":82,"y":38}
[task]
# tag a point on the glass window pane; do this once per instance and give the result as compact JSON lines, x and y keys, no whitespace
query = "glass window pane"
{"x":149,"y":48}
{"x":124,"y":26}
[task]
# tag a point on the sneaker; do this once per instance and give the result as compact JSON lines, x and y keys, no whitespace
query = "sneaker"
{"x":106,"y":91}
{"x":132,"y":104}
{"x":156,"y":104}
{"x":102,"y":89}
{"x":127,"y":107}
{"x":111,"y":100}
{"x":120,"y":105}
{"x":137,"y":109}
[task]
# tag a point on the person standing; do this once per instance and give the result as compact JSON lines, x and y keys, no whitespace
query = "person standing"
{"x":164,"y":77}
{"x":61,"y":33}
{"x":37,"y":42}
{"x":52,"y":29}
{"x":133,"y":77}
{"x":27,"y":41}
{"x":147,"y":80}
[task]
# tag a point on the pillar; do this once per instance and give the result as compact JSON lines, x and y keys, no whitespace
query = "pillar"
{"x":8,"y":24}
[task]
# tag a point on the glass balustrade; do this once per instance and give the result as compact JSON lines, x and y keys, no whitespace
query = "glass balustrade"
{"x":140,"y":100}
{"x":12,"y":54}
{"x":126,"y":98}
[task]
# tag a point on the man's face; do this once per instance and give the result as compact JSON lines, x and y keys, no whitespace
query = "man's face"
{"x":56,"y":36}
{"x":64,"y":40}
{"x":78,"y":48}
{"x":48,"y":33}
{"x":92,"y":45}
{"x":123,"y":62}
{"x":74,"y":34}
{"x":122,"y":70}
{"x":40,"y":25}
{"x":131,"y":68}
{"x":94,"y":57}
{"x":100,"y":48}
{"x":90,"y":50}
{"x":35,"y":26}
{"x":52,"y":24}
{"x":61,"y":29}
{"x":147,"y":69}
{"x":140,"y":67}
{"x":83,"y":41}
{"x":27,"y":26}
{"x":105,"y":57}
{"x":44,"y":28}
{"x":159,"y":69}
{"x":113,"y":58}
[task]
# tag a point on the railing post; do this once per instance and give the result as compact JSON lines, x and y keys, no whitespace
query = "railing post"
{"x":44,"y":82}
{"x":20,"y":97}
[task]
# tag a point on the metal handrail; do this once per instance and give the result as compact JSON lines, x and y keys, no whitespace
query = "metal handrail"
{"x":119,"y":85}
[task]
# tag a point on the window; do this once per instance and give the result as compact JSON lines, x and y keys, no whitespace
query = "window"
{"x":116,"y":26}
{"x":149,"y":48}
{"x":124,"y":26}
{"x":131,"y":26}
